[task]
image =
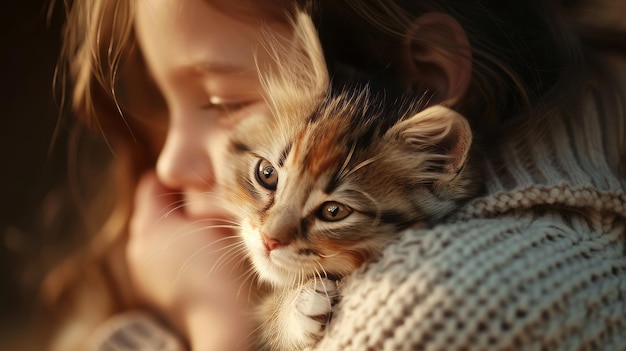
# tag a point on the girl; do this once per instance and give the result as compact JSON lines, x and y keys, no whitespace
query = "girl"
{"x":536,"y":263}
{"x":166,"y":83}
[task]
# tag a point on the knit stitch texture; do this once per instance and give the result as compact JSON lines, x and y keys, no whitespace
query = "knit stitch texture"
{"x":537,"y":263}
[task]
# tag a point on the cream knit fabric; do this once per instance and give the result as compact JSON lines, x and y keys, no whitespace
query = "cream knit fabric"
{"x":538,"y":263}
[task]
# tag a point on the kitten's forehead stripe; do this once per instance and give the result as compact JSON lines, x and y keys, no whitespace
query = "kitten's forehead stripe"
{"x":296,"y":145}
{"x":332,"y":184}
{"x":325,"y":152}
{"x":284,"y":155}
{"x":303,"y":228}
{"x":237,"y":146}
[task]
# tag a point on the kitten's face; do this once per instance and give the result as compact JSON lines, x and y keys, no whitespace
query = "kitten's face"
{"x":330,"y":196}
{"x":303,"y":222}
{"x":328,"y":183}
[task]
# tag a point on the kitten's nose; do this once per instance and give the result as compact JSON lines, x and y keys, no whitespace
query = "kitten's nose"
{"x":271,"y":243}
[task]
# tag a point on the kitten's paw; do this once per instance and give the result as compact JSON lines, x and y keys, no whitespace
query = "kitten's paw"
{"x":313,"y":310}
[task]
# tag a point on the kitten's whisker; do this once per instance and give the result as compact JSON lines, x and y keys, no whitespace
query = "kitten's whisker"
{"x":171,"y":208}
{"x":245,"y":277}
{"x":188,"y":261}
{"x":227,"y":258}
{"x":327,"y":256}
{"x":363,"y":164}
{"x":243,"y":259}
{"x":178,"y":204}
{"x":298,"y":280}
{"x":218,"y":201}
{"x":374,"y":203}
{"x":228,"y":221}
{"x":258,"y":284}
{"x":232,"y":251}
{"x":302,"y":278}
{"x":178,"y":235}
{"x":253,"y":332}
{"x":330,"y":303}
{"x":318,"y":274}
{"x":322,"y":268}
{"x":178,"y":194}
{"x":199,"y":177}
{"x":181,"y":236}
{"x":346,"y":161}
{"x":171,"y":241}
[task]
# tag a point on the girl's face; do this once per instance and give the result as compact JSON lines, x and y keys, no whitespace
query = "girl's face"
{"x":203,"y":63}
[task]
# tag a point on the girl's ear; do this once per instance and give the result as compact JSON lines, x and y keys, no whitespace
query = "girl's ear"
{"x":437,"y":57}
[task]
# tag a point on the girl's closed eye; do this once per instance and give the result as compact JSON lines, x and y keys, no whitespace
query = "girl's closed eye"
{"x":226,"y":105}
{"x":231,"y":110}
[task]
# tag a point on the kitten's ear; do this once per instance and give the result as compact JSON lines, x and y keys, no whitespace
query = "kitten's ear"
{"x":296,"y":76}
{"x":443,"y":135}
{"x":312,"y":64}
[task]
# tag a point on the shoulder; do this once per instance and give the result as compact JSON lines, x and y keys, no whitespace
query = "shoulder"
{"x":519,"y":281}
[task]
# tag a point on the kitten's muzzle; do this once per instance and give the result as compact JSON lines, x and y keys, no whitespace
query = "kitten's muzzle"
{"x":272,"y":243}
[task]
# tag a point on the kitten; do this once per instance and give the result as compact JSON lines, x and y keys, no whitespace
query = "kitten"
{"x":338,"y":175}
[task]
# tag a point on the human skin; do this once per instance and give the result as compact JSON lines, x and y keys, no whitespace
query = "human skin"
{"x":203,"y":62}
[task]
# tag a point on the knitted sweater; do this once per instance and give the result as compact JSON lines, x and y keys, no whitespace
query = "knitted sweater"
{"x":537,"y":263}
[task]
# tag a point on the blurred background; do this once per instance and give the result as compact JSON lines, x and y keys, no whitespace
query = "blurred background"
{"x":32,"y":167}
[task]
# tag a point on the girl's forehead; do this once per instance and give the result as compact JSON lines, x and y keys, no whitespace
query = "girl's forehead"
{"x":189,"y":17}
{"x":192,"y":32}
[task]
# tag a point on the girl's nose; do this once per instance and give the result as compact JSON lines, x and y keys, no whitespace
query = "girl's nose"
{"x":184,"y":161}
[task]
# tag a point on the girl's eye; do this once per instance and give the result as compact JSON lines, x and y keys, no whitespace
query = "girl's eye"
{"x":228,"y":106}
{"x":266,"y":174}
{"x":235,"y":106}
{"x":333,"y":211}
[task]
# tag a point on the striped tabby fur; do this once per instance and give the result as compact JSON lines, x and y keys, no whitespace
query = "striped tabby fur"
{"x":338,"y":174}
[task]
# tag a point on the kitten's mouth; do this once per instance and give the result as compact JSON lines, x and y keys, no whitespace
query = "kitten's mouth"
{"x":333,"y":276}
{"x":306,"y":254}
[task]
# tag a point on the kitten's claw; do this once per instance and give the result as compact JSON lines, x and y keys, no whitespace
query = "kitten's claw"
{"x":313,"y":309}
{"x":299,"y":315}
{"x":317,"y":298}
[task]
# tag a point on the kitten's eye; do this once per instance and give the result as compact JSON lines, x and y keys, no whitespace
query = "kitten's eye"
{"x":333,"y":211}
{"x":266,"y":174}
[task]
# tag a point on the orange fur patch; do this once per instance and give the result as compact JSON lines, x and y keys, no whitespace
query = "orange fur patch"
{"x":326,"y":152}
{"x":349,"y":256}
